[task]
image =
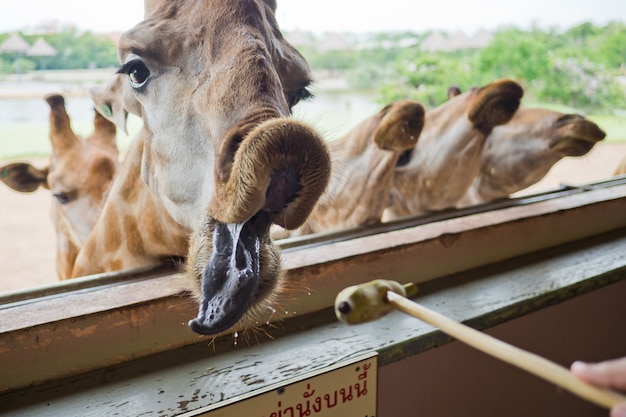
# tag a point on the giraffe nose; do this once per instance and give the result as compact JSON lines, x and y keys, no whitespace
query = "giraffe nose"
{"x":283,"y":188}
{"x":282,"y":166}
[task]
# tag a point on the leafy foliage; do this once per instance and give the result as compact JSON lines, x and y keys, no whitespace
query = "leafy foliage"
{"x":75,"y":50}
{"x":583,"y":67}
{"x":580,"y":83}
{"x":517,"y":54}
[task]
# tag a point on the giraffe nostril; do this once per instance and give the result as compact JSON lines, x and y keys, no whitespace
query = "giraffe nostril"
{"x":224,"y":163}
{"x":280,"y":168}
{"x":283,"y":188}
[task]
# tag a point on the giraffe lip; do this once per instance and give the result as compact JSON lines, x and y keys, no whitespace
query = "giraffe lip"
{"x":231,"y":278}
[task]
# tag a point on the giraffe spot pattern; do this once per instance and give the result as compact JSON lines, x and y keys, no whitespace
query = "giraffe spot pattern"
{"x":134,"y":241}
{"x":112,"y":233}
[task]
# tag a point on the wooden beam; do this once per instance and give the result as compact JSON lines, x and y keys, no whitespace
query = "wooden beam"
{"x":71,"y":333}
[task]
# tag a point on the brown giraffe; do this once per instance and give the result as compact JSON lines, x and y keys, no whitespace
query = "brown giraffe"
{"x":79,"y":174}
{"x":520,"y":153}
{"x":363,"y":163}
{"x":438,"y":171}
{"x":218,"y":159}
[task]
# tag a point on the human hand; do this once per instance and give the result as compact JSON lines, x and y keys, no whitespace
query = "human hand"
{"x":608,"y":374}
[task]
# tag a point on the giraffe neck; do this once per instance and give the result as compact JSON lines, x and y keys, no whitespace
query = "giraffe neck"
{"x":134,"y":228}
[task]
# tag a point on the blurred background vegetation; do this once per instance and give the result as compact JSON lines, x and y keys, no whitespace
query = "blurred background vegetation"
{"x":583,"y":67}
{"x":75,"y":50}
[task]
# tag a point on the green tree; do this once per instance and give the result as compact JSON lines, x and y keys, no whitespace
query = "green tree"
{"x":81,"y":50}
{"x":75,"y":50}
{"x":518,"y":54}
{"x":581,"y":33}
{"x":582,"y":84}
{"x":426,"y":76}
{"x":578,"y":67}
{"x":612,"y":49}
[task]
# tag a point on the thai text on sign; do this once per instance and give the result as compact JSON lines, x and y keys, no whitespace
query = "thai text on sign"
{"x":347,"y":389}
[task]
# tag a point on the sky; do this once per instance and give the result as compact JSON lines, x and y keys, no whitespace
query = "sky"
{"x":320,"y":16}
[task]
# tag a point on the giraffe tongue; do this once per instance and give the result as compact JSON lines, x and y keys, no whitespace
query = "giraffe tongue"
{"x":230,"y":279}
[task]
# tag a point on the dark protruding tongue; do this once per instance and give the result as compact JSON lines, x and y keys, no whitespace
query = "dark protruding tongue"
{"x":230,"y":279}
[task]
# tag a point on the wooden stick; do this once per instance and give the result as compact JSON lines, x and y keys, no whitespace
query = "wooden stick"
{"x":530,"y":362}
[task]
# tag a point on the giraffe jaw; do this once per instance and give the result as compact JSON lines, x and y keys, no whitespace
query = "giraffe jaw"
{"x":230,"y":281}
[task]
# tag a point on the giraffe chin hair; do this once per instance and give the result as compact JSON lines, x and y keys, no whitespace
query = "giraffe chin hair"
{"x":231,"y":278}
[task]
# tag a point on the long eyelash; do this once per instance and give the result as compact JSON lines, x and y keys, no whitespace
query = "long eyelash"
{"x":307,"y":94}
{"x":125,"y":68}
{"x":302,"y":94}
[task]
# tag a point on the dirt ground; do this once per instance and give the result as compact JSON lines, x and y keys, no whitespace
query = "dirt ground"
{"x":27,"y":237}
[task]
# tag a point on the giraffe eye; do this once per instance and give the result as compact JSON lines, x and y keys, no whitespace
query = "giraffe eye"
{"x":298,"y":96}
{"x":62,"y":198}
{"x":138,"y":73}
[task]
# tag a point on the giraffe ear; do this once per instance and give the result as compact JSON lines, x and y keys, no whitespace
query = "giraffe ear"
{"x":24,"y":177}
{"x":111,"y":101}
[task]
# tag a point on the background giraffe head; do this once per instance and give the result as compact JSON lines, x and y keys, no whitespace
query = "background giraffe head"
{"x":79,"y":174}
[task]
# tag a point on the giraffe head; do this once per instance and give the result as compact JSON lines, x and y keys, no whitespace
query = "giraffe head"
{"x":521,"y":152}
{"x":437,"y":172}
{"x":214,"y":82}
{"x":78,"y":175}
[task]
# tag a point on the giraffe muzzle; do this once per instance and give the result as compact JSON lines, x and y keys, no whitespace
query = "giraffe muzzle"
{"x":231,"y":278}
{"x":277,"y":173}
{"x":282,"y":166}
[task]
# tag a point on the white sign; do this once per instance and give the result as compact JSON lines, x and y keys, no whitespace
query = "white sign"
{"x":346,"y":389}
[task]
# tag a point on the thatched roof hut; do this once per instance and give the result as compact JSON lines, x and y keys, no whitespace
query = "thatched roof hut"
{"x":14,"y":44}
{"x":41,"y":48}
